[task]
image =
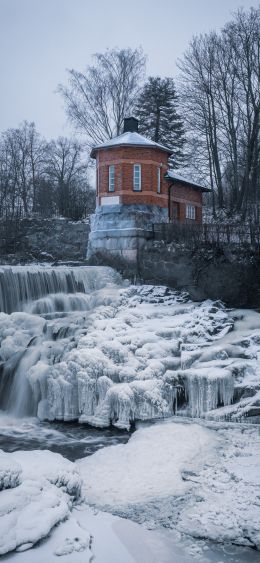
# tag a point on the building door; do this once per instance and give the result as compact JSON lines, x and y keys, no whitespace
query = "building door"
{"x":175,"y":214}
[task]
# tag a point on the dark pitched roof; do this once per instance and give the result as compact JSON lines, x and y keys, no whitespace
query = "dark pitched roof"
{"x":171,"y":175}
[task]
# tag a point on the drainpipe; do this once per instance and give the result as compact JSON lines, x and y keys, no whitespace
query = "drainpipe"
{"x":169,"y":200}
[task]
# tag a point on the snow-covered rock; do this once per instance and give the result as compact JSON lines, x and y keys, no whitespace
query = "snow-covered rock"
{"x":148,"y":467}
{"x":44,"y":486}
{"x":10,"y":472}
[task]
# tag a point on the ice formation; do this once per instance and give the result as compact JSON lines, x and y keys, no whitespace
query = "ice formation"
{"x":117,"y":354}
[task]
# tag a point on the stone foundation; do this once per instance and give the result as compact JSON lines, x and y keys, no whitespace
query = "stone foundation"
{"x":122,"y":230}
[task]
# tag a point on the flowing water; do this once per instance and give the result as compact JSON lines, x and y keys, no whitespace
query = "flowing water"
{"x":72,"y":440}
{"x":62,"y":296}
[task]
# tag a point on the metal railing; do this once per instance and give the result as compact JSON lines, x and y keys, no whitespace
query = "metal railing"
{"x":245,"y":236}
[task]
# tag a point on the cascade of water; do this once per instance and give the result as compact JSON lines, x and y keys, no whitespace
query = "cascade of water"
{"x":42,"y":290}
{"x":82,"y":348}
{"x":22,"y":284}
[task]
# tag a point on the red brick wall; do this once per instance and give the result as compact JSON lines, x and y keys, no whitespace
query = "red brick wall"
{"x":183,"y":195}
{"x":124,"y":158}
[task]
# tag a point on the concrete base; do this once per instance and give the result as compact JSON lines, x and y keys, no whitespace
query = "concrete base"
{"x":121,"y":230}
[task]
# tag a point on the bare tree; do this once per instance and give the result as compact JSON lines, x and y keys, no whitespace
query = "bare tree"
{"x":67,"y":171}
{"x":98,"y":100}
{"x":221,"y":102}
{"x":22,"y":158}
{"x":41,"y":177}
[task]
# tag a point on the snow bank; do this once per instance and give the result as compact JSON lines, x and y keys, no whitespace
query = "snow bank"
{"x":44,"y":486}
{"x":88,"y":535}
{"x":229,"y":493}
{"x":202,"y":481}
{"x":148,"y":467}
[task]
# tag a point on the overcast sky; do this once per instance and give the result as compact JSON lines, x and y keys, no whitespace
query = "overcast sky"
{"x":39,"y":39}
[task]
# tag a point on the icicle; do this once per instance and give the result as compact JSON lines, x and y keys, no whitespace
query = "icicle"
{"x":206,"y":392}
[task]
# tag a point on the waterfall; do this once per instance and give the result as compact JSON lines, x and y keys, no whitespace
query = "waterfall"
{"x":78,"y":344}
{"x":51,"y":293}
{"x":20,"y":285}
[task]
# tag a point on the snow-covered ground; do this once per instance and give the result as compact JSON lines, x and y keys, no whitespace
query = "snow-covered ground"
{"x":111,"y":540}
{"x":180,"y":479}
{"x":202,"y":481}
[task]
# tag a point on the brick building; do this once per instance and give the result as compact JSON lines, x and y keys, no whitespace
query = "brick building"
{"x":135,"y":189}
{"x":131,"y":169}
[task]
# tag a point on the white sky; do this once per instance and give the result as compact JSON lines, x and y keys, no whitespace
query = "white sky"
{"x":39,"y":39}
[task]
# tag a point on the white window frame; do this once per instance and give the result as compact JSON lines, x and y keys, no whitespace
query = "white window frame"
{"x":137,"y":178}
{"x":158,"y":179}
{"x":191,"y":211}
{"x":111,"y":178}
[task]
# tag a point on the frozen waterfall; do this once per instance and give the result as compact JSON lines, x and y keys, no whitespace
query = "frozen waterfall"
{"x":79,"y":344}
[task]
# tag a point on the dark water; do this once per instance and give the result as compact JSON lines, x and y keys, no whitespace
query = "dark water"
{"x":70,"y":439}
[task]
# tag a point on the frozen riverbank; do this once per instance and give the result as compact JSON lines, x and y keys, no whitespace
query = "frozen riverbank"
{"x":179,"y":479}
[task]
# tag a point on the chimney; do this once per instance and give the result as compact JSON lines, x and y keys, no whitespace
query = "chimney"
{"x":130,"y":125}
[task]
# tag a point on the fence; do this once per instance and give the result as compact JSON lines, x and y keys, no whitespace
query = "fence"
{"x":246,"y":236}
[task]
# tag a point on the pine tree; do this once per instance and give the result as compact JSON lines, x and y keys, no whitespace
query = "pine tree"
{"x":158,"y":116}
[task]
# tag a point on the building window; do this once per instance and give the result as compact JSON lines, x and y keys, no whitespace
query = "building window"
{"x":97,"y":182}
{"x":190,"y":212}
{"x":111,"y":181}
{"x":158,"y":180}
{"x":137,"y":178}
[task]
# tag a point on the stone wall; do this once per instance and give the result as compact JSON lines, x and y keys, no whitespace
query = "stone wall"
{"x":231,"y":277}
{"x":46,"y":240}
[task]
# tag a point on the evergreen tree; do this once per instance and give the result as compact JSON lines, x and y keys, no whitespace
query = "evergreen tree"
{"x":158,"y":116}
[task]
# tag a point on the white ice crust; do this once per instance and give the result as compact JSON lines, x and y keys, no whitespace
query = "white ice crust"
{"x":39,"y":489}
{"x":136,"y":354}
{"x":201,"y":480}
